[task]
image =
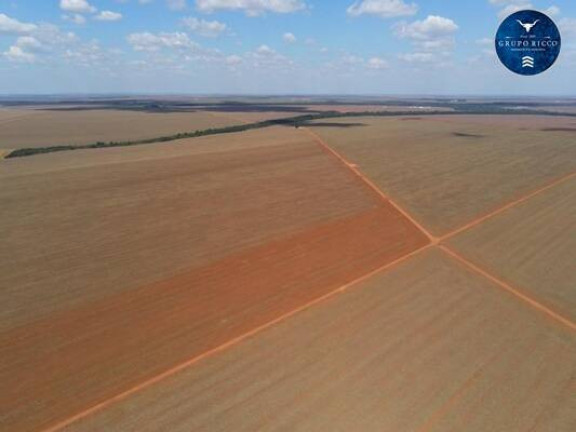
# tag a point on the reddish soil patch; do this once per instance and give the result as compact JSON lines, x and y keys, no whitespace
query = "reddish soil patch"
{"x":72,"y":236}
{"x":61,"y":365}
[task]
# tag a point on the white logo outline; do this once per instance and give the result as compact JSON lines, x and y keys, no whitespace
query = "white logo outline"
{"x":528,"y":26}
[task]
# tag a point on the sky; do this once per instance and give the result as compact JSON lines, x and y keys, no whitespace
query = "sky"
{"x":376,"y":47}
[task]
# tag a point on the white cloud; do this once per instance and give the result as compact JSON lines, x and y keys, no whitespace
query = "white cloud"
{"x":433,"y":27}
{"x":418,"y":57}
{"x":382,"y":8}
{"x":108,"y":16}
{"x":552,"y":11}
{"x":23,"y":50}
{"x":346,"y":65}
{"x":485,"y":42}
{"x":46,"y":44}
{"x":204,"y":28}
{"x":29,"y":43}
{"x":12,"y":26}
{"x":511,"y":6}
{"x":432,"y":38}
{"x":18,"y":55}
{"x":352,"y":59}
{"x":51,"y":35}
{"x":514,"y":7}
{"x":567,"y":26}
{"x":77,"y":6}
{"x":251,"y":7}
{"x":75,"y":18}
{"x":177,"y":5}
{"x":265,"y":57}
{"x":435,"y":33}
{"x":289,"y":37}
{"x":441,"y":59}
{"x":155,"y":42}
{"x":233,"y":60}
{"x":265,"y":50}
{"x":377,"y":64}
{"x":92,"y":55}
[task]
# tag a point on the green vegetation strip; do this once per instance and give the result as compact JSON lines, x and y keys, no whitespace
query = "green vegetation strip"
{"x":297,"y":121}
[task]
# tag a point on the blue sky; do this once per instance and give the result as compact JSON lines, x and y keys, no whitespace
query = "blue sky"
{"x":270,"y":47}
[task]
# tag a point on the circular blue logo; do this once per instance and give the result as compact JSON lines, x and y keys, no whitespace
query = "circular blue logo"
{"x":528,"y":42}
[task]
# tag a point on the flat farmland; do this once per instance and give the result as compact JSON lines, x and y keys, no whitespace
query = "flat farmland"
{"x":533,"y":246}
{"x":571,"y":109}
{"x":374,"y":108}
{"x":449,"y":170}
{"x":408,"y":274}
{"x":244,"y":114}
{"x":120,"y":264}
{"x":239,"y":116}
{"x":522,"y":123}
{"x":426,"y":346}
{"x":9,"y":115}
{"x":44,"y":128}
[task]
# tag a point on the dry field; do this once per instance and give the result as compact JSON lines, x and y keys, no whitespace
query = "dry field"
{"x":373,"y":108}
{"x":251,"y":117}
{"x":556,"y":109}
{"x":116,"y":271}
{"x":520,"y":123}
{"x":37,"y":127}
{"x":449,"y":170}
{"x":44,"y":128}
{"x":396,"y":274}
{"x":425,"y":347}
{"x":239,"y":116}
{"x":8,"y":116}
{"x":533,"y":246}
